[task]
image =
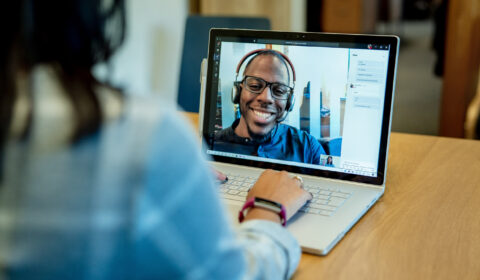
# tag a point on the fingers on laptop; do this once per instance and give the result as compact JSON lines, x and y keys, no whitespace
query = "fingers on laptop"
{"x":281,"y":187}
{"x":221,"y":178}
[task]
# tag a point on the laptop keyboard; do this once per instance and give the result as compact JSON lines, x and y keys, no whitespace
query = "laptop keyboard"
{"x":325,"y":200}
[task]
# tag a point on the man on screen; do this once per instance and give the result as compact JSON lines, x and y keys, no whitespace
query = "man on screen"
{"x":265,"y":96}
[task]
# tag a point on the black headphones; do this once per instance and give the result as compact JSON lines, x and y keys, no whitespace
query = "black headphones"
{"x":236,"y":90}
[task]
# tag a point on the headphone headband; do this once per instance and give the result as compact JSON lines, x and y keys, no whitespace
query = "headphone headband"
{"x":245,"y":57}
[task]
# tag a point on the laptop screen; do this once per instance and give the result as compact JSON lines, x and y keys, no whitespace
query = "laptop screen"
{"x":312,"y":103}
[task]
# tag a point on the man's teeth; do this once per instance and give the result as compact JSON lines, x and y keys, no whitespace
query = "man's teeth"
{"x":261,"y":114}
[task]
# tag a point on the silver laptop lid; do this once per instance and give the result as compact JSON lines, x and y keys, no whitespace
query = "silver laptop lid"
{"x":311,"y":103}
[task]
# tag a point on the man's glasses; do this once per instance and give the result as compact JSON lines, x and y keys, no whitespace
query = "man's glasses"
{"x":257,"y":85}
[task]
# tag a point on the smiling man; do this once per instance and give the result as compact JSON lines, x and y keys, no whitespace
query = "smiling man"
{"x":265,"y":97}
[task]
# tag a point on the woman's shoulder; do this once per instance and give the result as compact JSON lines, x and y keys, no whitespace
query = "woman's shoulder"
{"x":150,"y":117}
{"x":151,"y":110}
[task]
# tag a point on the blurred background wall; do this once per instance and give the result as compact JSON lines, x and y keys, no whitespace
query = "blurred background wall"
{"x":149,"y":60}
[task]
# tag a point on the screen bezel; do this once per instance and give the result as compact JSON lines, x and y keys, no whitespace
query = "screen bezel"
{"x":211,"y":98}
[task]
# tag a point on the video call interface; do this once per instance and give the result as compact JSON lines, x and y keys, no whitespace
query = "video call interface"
{"x":338,"y":99}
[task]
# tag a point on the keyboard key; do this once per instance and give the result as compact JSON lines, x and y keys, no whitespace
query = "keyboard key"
{"x":319,"y":196}
{"x":322,"y":201}
{"x":240,"y":179}
{"x":335,"y":201}
{"x":341,"y":195}
{"x":323,"y":192}
{"x":326,"y":207}
{"x":315,"y":205}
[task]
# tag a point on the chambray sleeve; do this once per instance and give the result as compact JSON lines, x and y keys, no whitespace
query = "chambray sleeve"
{"x":181,"y":230}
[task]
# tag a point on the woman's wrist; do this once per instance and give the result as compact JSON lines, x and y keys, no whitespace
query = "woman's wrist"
{"x":269,"y":208}
{"x":262,"y":214}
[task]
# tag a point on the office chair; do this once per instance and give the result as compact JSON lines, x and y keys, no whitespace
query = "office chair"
{"x":195,"y":48}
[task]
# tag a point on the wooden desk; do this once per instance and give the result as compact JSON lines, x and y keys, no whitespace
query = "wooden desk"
{"x":427,"y":224}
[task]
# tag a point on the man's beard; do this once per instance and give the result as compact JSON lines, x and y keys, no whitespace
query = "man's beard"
{"x":260,"y":138}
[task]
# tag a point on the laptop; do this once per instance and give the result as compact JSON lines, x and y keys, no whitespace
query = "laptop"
{"x":342,"y":97}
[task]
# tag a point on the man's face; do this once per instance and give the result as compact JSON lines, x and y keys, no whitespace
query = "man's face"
{"x":259,"y":112}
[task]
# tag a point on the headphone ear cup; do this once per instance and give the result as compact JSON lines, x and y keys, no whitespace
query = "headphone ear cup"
{"x":290,"y":102}
{"x":236,"y":89}
{"x":288,"y":108}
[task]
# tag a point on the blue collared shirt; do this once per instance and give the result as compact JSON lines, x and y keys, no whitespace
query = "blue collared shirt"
{"x":284,"y":142}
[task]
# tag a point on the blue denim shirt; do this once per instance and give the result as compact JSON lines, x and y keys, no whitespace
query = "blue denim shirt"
{"x":135,"y":201}
{"x":284,"y":142}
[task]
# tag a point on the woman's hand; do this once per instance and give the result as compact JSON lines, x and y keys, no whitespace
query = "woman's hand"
{"x":280,"y":187}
